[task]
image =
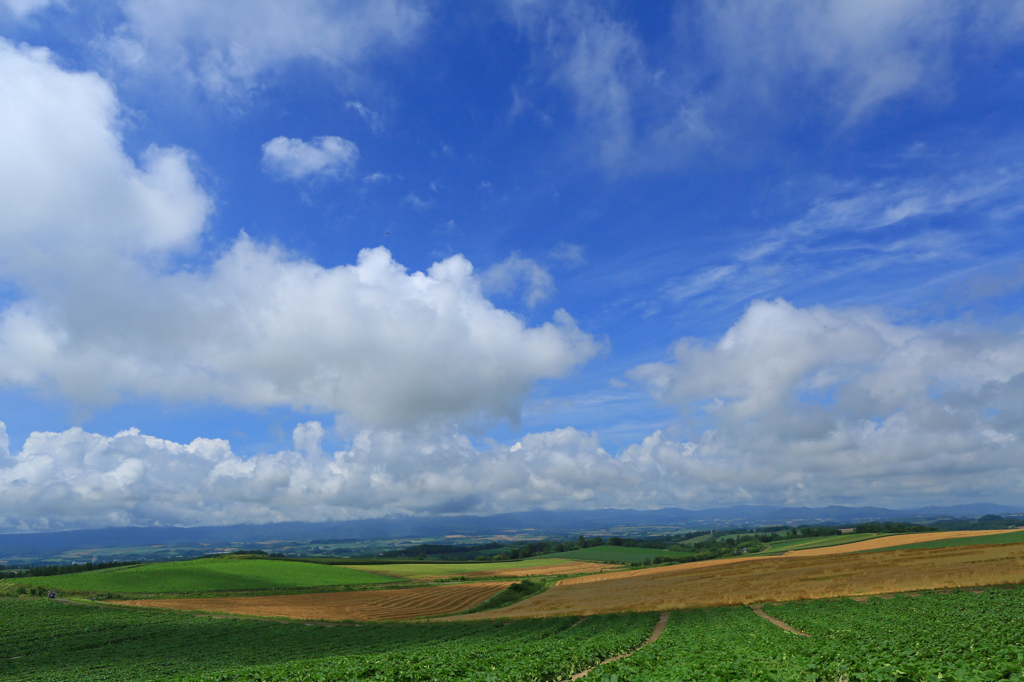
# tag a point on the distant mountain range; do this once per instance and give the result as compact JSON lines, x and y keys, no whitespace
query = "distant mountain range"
{"x":549,"y":523}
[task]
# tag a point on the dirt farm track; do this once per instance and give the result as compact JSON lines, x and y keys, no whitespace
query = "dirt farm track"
{"x":400,"y":604}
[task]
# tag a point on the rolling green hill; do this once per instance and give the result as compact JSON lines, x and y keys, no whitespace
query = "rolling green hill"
{"x":207,"y":575}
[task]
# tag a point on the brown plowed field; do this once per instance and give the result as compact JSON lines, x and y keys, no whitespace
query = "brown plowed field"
{"x":894,"y":541}
{"x":402,"y":604}
{"x":756,"y":580}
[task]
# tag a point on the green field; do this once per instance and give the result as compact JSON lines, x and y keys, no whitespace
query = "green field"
{"x":957,"y":637}
{"x":813,"y":543}
{"x":623,"y":555}
{"x":207,"y":575}
{"x":425,"y":570}
{"x":960,"y":637}
{"x":58,"y":642}
{"x":996,"y":539}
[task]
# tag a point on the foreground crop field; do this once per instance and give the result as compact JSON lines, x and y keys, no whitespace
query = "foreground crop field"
{"x":962,"y":637}
{"x":753,"y":580}
{"x":56,"y":642}
{"x":374,"y":605}
{"x":208,"y":575}
{"x":503,"y":569}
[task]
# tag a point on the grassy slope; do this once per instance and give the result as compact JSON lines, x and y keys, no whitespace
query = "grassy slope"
{"x":613,"y":553}
{"x":208,"y":575}
{"x":467,"y":569}
{"x":998,"y":539}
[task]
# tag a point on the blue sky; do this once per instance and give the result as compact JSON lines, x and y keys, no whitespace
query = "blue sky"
{"x":312,"y":260}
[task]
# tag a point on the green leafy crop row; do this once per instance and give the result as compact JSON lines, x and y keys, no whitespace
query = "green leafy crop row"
{"x":957,"y":637}
{"x":60,"y":642}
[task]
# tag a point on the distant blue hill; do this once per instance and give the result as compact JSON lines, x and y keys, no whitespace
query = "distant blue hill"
{"x":542,"y":522}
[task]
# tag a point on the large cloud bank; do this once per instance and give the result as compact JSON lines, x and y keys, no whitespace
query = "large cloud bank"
{"x":845,"y":404}
{"x":791,"y":406}
{"x":90,"y":238}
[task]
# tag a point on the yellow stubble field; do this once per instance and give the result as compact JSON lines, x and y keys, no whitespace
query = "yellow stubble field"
{"x":765,"y":579}
{"x":896,"y":541}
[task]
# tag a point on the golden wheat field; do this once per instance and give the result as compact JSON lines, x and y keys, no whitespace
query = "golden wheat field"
{"x":895,"y":541}
{"x":398,"y":604}
{"x":786,"y":578}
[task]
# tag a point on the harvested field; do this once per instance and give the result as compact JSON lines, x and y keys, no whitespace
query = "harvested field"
{"x":524,"y":569}
{"x":788,"y":578}
{"x":669,"y":568}
{"x":896,"y":541}
{"x":402,"y":604}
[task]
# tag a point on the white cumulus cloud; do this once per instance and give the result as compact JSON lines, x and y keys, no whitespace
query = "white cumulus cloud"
{"x":295,"y":159}
{"x":87,"y":239}
{"x":844,"y":404}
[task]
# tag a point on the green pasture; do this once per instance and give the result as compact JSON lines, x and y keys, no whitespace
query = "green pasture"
{"x":995,"y":539}
{"x":623,"y":555}
{"x":207,"y":575}
{"x":425,"y":570}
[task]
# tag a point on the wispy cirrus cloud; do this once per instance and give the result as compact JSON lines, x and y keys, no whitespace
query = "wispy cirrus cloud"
{"x":858,"y":227}
{"x":737,"y":66}
{"x":227,"y":47}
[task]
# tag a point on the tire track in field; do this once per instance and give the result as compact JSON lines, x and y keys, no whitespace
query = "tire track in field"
{"x":775,"y":621}
{"x":659,"y":628}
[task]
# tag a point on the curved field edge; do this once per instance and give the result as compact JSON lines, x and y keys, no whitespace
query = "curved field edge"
{"x":378,"y":605}
{"x":207,"y":575}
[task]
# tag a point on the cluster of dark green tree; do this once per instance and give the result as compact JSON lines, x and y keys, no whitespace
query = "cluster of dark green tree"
{"x":987,"y":522}
{"x":28,"y":570}
{"x":513,"y":593}
{"x":445,"y":552}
